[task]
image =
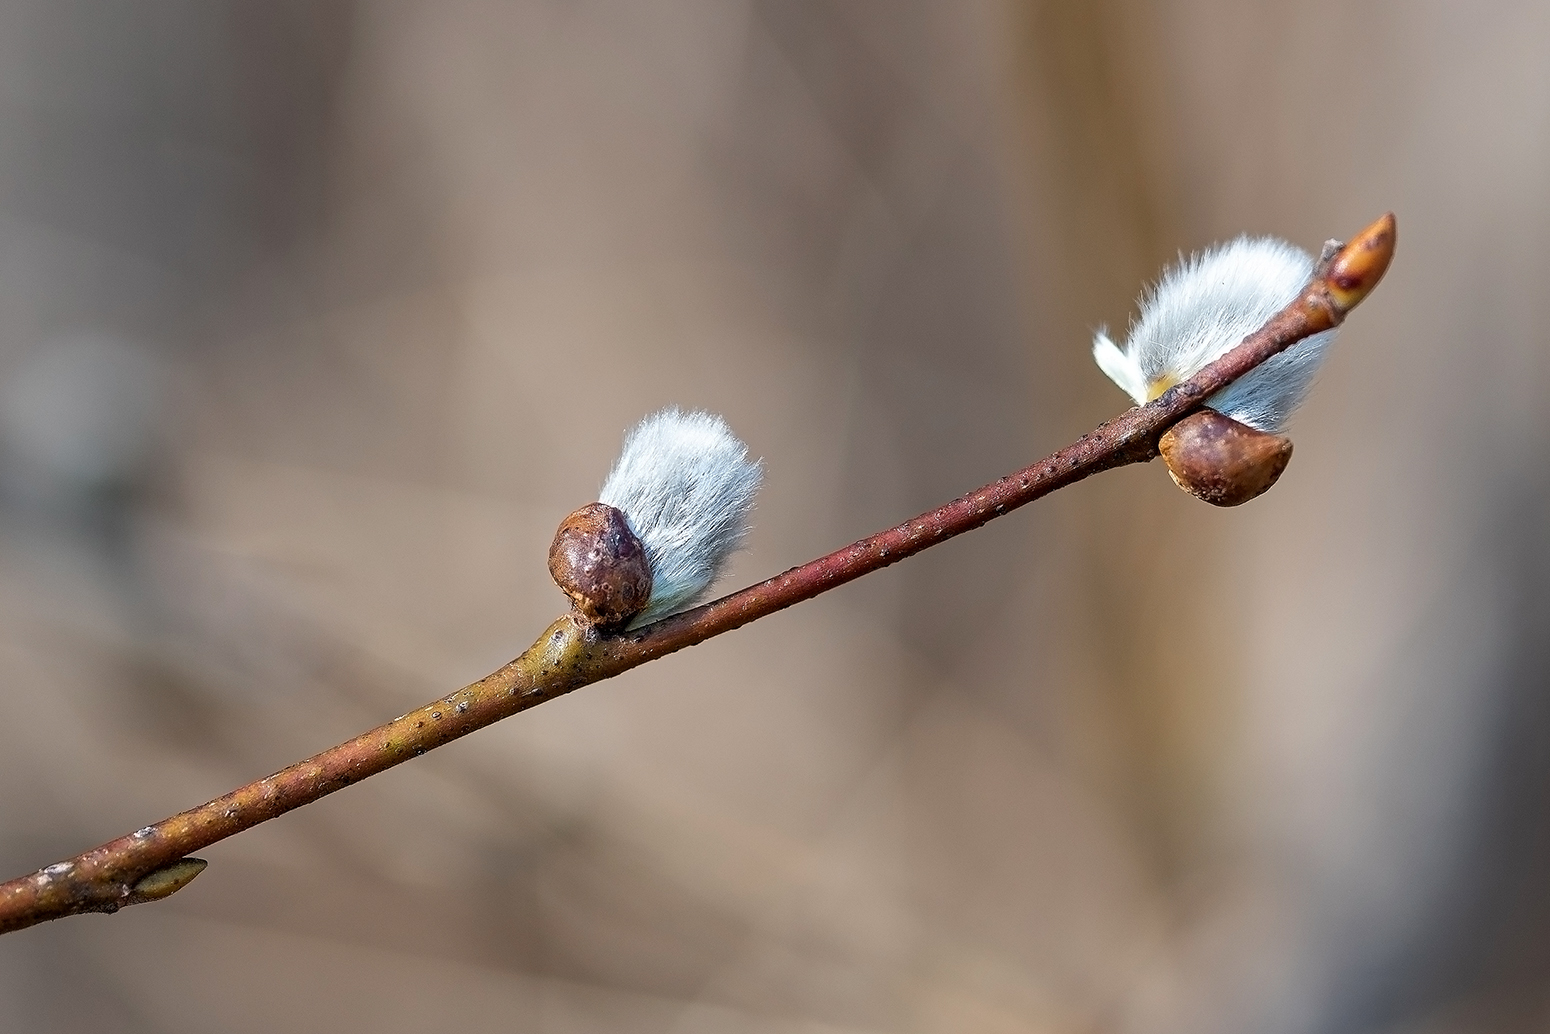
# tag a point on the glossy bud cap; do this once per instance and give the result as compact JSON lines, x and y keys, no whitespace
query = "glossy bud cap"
{"x":600,"y":564}
{"x":1216,"y":459}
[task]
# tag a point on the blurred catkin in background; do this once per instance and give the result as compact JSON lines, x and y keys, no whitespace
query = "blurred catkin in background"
{"x":316,"y":317}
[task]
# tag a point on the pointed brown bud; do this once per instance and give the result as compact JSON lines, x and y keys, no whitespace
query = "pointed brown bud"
{"x":1356,"y":268}
{"x":600,"y":564}
{"x":1219,"y":460}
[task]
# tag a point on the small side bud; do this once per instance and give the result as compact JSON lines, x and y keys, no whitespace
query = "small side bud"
{"x":1356,"y":268}
{"x":166,"y":881}
{"x":600,"y":564}
{"x":1221,"y":461}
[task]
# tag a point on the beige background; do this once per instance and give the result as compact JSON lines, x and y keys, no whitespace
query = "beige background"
{"x":316,"y":317}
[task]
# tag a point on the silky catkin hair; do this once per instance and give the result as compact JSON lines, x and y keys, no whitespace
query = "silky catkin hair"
{"x":1204,"y":306}
{"x":686,"y":486}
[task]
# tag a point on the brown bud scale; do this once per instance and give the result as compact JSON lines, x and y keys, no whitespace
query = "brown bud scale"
{"x":1221,"y":461}
{"x":600,"y":564}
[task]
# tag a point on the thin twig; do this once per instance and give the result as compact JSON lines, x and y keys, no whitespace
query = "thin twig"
{"x":151,"y":863}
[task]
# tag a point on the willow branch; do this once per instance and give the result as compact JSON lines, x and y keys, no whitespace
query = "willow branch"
{"x":152,"y":862}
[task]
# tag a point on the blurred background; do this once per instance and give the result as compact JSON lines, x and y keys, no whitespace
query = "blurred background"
{"x":316,"y":317}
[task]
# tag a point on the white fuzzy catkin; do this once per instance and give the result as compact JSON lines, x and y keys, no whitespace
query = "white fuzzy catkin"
{"x":1203,"y":307}
{"x":686,"y":487}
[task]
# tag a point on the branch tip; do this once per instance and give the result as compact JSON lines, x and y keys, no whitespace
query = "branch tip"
{"x":1356,"y":268}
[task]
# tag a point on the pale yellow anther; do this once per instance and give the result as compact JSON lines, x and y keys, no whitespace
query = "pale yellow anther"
{"x":1155,"y":390}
